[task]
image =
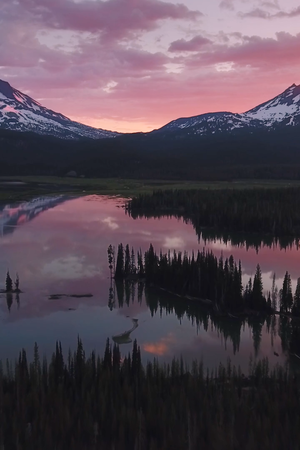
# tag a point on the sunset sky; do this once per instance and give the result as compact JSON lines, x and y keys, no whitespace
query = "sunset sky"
{"x":134,"y":65}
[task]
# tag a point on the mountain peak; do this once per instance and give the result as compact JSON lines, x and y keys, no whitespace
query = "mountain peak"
{"x":19,"y":112}
{"x":282,"y":110}
{"x":6,"y":89}
{"x":292,"y":88}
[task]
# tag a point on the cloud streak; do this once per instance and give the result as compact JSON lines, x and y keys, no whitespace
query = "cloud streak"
{"x":189,"y":46}
{"x":259,"y":13}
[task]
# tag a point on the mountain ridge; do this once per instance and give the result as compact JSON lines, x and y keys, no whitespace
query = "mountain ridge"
{"x":19,"y":112}
{"x":270,"y":114}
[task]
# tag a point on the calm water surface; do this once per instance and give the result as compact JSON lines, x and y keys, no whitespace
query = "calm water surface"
{"x":58,"y":245}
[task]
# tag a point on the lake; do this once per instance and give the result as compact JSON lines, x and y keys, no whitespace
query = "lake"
{"x":58,"y":245}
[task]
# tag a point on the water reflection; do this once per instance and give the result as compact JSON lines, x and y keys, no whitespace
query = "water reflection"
{"x":12,"y":216}
{"x":125,"y":337}
{"x":270,"y":335}
{"x":244,"y":240}
{"x":64,"y":250}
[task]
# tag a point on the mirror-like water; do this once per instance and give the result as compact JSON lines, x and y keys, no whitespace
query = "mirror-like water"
{"x":58,"y":245}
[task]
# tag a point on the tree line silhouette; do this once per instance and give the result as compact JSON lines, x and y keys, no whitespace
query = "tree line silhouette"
{"x":259,"y":210}
{"x":216,"y":281}
{"x":116,"y":402}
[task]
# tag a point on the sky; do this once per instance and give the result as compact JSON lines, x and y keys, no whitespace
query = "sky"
{"x":135,"y":65}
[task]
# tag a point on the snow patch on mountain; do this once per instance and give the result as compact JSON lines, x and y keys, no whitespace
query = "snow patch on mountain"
{"x":19,"y":112}
{"x":281,"y":110}
{"x":284,"y":106}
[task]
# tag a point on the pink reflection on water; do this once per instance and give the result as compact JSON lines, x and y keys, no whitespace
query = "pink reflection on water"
{"x":64,"y":250}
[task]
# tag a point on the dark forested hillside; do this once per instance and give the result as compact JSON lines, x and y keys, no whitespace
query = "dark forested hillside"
{"x":253,"y":155}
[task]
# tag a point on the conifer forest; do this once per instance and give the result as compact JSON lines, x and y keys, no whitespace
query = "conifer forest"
{"x":113,"y":401}
{"x":216,"y":282}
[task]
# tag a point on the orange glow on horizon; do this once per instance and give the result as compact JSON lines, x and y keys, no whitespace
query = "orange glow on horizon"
{"x":120,"y":126}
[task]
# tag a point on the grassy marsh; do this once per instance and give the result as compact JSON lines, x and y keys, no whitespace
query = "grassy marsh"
{"x":44,"y":185}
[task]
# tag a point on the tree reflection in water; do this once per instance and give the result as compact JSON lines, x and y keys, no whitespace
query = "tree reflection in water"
{"x":228,"y":327}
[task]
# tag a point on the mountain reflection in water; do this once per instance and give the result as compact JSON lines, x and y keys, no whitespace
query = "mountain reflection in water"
{"x":12,"y":216}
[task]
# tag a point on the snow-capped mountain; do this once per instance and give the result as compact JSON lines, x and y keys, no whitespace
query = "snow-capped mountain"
{"x":19,"y":112}
{"x":283,"y":110}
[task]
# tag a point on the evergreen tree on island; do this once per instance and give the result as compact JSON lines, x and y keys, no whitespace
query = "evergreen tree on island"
{"x":257,"y":294}
{"x":111,"y":259}
{"x":286,"y":296}
{"x":8,"y":283}
{"x":120,"y":262}
{"x":296,"y":306}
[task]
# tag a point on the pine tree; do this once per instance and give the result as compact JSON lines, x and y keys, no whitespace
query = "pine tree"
{"x":132,"y":263}
{"x":269,"y":301}
{"x":17,"y":283}
{"x":286,"y":296}
{"x":274,"y":293}
{"x":140,"y":264}
{"x":289,"y":294}
{"x":111,"y":257}
{"x":296,"y":306}
{"x":8,"y":283}
{"x":151,"y":261}
{"x":257,"y":292}
{"x":116,"y":358}
{"x":127,"y":261}
{"x":119,"y":274}
{"x":107,"y":355}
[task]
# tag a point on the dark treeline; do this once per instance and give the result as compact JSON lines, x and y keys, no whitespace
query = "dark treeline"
{"x":187,"y":156}
{"x":216,"y":281}
{"x":91,"y":403}
{"x":272,"y":211}
{"x":245,"y":240}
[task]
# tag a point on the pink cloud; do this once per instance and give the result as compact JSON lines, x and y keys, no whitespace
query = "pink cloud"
{"x":271,"y":5}
{"x":254,"y":51}
{"x":294,"y":13}
{"x":113,"y":19}
{"x":227,"y":4}
{"x":259,"y":13}
{"x":188,"y":46}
